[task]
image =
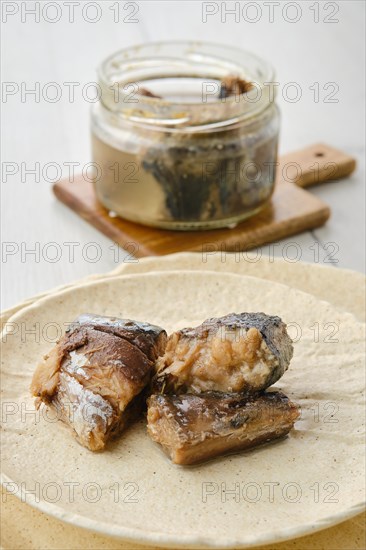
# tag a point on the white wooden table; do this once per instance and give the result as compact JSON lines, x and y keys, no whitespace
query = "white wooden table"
{"x":321,"y":49}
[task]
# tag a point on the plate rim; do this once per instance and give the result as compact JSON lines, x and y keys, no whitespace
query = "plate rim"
{"x":134,"y":535}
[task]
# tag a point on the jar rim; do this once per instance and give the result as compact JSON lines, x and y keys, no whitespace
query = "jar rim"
{"x":129,"y":67}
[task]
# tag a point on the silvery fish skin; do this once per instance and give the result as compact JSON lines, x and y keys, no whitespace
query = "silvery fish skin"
{"x":195,"y":428}
{"x":95,"y":373}
{"x":244,"y":352}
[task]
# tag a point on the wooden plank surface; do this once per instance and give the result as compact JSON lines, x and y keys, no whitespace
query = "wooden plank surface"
{"x":291,"y":211}
{"x":322,"y":164}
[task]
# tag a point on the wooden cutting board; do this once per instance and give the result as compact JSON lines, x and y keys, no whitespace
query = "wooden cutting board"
{"x":291,"y":210}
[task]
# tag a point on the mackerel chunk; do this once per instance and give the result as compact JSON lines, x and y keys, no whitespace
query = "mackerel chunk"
{"x":244,"y":352}
{"x":194,"y":428}
{"x":94,"y":376}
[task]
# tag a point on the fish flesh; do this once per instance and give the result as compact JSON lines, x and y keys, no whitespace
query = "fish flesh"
{"x":194,"y":428}
{"x":245,"y":352}
{"x":95,"y":374}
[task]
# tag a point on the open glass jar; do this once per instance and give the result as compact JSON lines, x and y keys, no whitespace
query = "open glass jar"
{"x":185,"y":135}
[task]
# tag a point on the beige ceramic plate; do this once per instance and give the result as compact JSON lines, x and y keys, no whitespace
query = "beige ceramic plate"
{"x":343,"y":288}
{"x":324,"y":282}
{"x":132,"y":491}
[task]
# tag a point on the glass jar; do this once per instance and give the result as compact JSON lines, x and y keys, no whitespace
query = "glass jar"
{"x":185,"y":135}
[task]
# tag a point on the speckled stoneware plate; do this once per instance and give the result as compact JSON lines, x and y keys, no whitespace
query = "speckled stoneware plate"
{"x":323,"y":281}
{"x":306,"y":482}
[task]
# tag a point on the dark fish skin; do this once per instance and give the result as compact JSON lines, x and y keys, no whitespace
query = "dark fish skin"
{"x":245,"y":352}
{"x":150,"y":339}
{"x":95,"y":373}
{"x":195,"y":428}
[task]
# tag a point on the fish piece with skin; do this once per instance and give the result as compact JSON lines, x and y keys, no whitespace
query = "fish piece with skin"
{"x":95,"y":373}
{"x":195,"y":428}
{"x":245,"y":352}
